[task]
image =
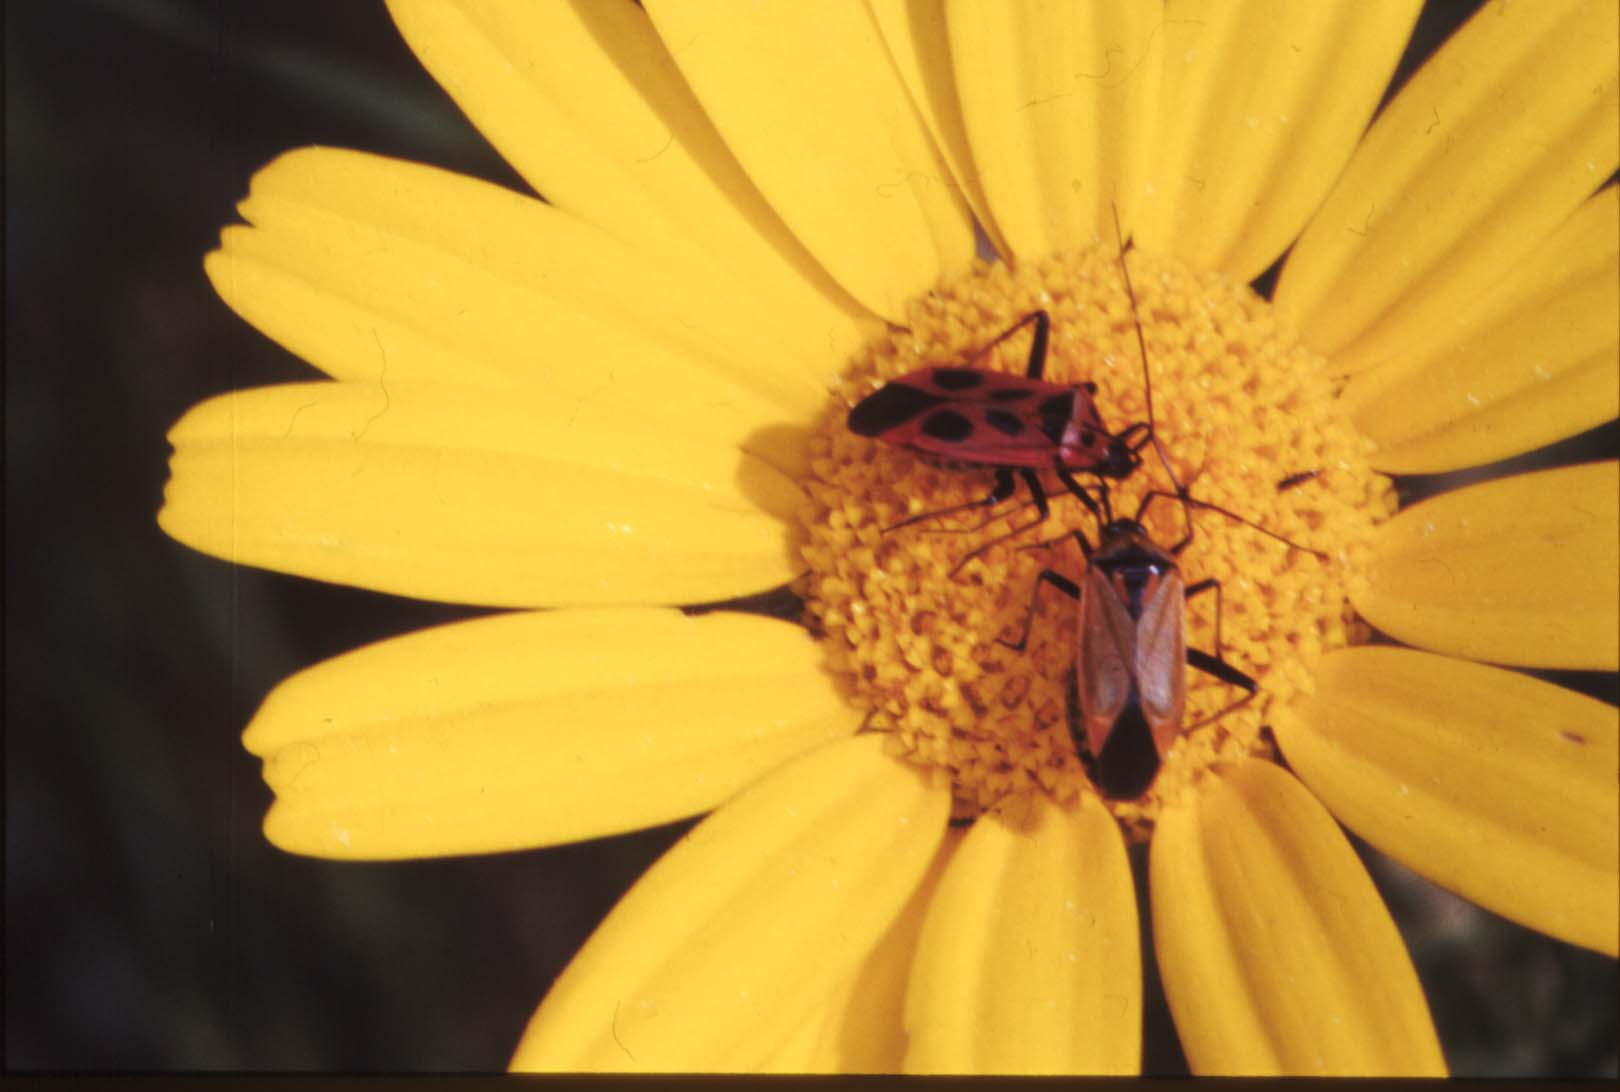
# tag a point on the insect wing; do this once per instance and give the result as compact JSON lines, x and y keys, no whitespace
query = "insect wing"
{"x":971,"y":415}
{"x":1107,"y":653}
{"x":1161,"y":657}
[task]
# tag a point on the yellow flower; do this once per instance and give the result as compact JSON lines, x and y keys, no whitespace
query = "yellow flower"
{"x":633,"y":395}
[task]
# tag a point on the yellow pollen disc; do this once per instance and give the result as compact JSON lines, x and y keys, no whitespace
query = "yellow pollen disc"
{"x":1239,"y":406}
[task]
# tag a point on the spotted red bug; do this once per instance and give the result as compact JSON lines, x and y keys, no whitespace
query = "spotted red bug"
{"x":972,"y":415}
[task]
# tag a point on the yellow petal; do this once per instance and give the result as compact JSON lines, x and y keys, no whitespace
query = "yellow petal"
{"x":480,"y":495}
{"x":733,"y":939}
{"x":1493,"y":784}
{"x":1029,"y":960}
{"x":1522,"y":570}
{"x":583,"y":100}
{"x":1487,"y":149}
{"x":1531,"y":362}
{"x":1277,"y":955}
{"x":919,"y":42}
{"x":809,"y":101}
{"x":1263,"y":103}
{"x":370,"y":267}
{"x":860,"y":1030}
{"x":1057,"y":98}
{"x":525,"y":730}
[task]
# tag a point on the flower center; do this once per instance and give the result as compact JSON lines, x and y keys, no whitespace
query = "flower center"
{"x":923,"y":621}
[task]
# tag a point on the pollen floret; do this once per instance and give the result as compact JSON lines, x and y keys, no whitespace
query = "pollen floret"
{"x":925,"y":642}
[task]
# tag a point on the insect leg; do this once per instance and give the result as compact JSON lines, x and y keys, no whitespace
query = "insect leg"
{"x":1136,"y":444}
{"x":1214,"y":665}
{"x":1038,"y":495}
{"x":1220,"y":669}
{"x":1186,"y":506}
{"x":1006,"y":485}
{"x":1219,"y":713}
{"x":1188,"y":503}
{"x":1104,"y":514}
{"x":1199,"y":588}
{"x":1037,"y":346}
{"x":1058,"y":581}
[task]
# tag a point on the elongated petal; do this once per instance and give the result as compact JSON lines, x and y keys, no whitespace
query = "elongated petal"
{"x":1058,"y":100}
{"x":1263,"y":103}
{"x":1493,"y":784}
{"x":733,"y":939}
{"x":1489,"y":147}
{"x":526,"y":730}
{"x":370,"y":267}
{"x":861,"y":1030}
{"x":481,"y":495}
{"x":1278,"y":956}
{"x":1522,"y":570}
{"x":919,"y":42}
{"x":809,"y":101}
{"x":584,"y":101}
{"x":1029,"y":960}
{"x":1533,"y":361}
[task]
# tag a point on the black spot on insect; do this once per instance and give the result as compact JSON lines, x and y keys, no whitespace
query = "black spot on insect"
{"x":957,"y":379}
{"x":1003,"y":422}
{"x":1054,"y":413}
{"x":948,"y":425}
{"x":1011,"y":394}
{"x":888,"y":407}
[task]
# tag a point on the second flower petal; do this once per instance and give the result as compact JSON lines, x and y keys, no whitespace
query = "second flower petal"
{"x":741,"y":932}
{"x":1492,"y":784}
{"x":1522,"y":570}
{"x":1278,"y":956}
{"x":809,"y":101}
{"x":489,"y":496}
{"x":530,"y":729}
{"x":1029,"y":959}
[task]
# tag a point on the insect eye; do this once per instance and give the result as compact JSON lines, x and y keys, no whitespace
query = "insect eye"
{"x":1088,"y":438}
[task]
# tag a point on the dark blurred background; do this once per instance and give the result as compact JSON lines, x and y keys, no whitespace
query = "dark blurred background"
{"x":148,"y":926}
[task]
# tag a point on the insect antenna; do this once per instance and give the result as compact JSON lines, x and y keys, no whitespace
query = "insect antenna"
{"x":1141,"y":344}
{"x":1188,"y":501}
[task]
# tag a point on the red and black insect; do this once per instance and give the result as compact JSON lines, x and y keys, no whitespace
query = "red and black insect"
{"x":1130,"y":685}
{"x":971,"y":415}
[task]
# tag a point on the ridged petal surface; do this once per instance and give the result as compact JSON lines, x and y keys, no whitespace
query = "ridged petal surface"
{"x":1488,"y":148}
{"x":584,"y":101}
{"x":530,"y":729}
{"x":739,"y":933}
{"x":861,"y":1030}
{"x":1029,"y":960}
{"x":1263,"y":103}
{"x":1522,"y":570}
{"x":494,"y":496}
{"x":377,"y":269}
{"x":1535,"y":360}
{"x":919,"y":41}
{"x":1278,"y":956}
{"x":1058,"y":97}
{"x":1498,"y":786}
{"x":810,"y":102}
